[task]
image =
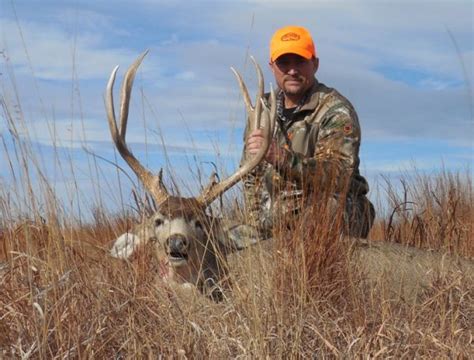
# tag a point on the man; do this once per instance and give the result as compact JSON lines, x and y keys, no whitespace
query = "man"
{"x":315,"y":146}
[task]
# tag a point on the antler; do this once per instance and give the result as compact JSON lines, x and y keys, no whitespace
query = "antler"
{"x":153,"y":183}
{"x":259,"y":116}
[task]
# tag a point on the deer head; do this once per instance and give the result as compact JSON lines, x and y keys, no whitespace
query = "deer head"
{"x":186,"y":239}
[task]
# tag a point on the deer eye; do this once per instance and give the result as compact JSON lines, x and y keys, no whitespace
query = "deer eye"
{"x":158,"y":222}
{"x":198,"y":225}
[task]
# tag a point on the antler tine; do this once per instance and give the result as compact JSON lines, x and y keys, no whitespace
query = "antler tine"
{"x":260,"y":93}
{"x":212,"y":191}
{"x":252,"y":111}
{"x":244,"y":91}
{"x":126,"y":92}
{"x":109,"y":105}
{"x":151,"y":182}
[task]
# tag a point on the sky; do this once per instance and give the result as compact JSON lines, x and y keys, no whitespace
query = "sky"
{"x":407,"y":67}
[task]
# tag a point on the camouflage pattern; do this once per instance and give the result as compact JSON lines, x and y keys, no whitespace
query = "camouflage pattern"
{"x":321,"y":143}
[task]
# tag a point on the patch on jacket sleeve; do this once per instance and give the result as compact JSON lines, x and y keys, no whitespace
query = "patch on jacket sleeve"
{"x":339,"y":122}
{"x":347,"y":128}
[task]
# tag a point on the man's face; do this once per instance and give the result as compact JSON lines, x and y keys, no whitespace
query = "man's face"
{"x":294,"y":74}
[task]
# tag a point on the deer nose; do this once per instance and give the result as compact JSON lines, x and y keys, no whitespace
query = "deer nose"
{"x":177,"y":243}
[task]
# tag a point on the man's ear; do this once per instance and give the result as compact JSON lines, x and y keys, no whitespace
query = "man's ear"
{"x":271,"y":65}
{"x":316,"y":64}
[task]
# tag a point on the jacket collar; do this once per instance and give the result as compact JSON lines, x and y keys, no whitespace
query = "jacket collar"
{"x":312,"y":97}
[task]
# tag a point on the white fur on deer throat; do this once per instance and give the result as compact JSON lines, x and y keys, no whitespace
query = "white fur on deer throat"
{"x":125,"y":245}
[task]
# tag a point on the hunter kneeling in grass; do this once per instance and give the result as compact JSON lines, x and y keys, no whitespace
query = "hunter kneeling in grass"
{"x":315,"y":147}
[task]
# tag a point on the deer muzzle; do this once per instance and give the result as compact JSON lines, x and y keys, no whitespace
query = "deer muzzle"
{"x":177,"y":249}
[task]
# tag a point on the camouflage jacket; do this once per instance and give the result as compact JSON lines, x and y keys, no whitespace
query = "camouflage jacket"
{"x":324,"y":136}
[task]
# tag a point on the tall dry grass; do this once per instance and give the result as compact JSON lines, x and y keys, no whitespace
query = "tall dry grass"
{"x":430,"y":212}
{"x":300,"y":296}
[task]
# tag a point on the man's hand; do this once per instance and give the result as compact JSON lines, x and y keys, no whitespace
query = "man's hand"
{"x":275,"y":155}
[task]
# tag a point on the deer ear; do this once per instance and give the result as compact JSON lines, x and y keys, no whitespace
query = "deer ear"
{"x":125,"y":245}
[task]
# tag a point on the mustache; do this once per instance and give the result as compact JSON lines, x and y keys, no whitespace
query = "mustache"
{"x":293,"y":78}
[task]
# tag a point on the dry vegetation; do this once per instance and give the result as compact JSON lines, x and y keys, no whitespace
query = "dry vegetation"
{"x":301,"y":296}
{"x":62,"y":296}
{"x":430,"y":212}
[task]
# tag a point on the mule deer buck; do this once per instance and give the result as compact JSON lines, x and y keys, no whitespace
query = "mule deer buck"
{"x":187,"y":241}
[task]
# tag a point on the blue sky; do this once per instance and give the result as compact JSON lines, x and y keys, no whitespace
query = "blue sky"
{"x":407,"y":66}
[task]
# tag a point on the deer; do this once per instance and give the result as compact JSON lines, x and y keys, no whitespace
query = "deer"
{"x":191,"y":245}
{"x":187,"y":241}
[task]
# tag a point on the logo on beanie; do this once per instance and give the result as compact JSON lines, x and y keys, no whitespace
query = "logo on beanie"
{"x":291,"y":36}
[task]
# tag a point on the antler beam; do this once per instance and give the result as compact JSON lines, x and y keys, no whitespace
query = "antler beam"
{"x":259,"y":116}
{"x":153,"y":183}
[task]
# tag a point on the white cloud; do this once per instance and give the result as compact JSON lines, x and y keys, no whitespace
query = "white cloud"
{"x":50,"y":53}
{"x":186,"y":75}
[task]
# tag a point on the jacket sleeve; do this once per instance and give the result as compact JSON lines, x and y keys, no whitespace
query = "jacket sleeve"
{"x":336,"y":149}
